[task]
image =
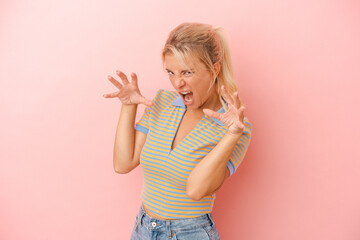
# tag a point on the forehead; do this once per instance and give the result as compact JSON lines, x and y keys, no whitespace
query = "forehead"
{"x":173,"y":62}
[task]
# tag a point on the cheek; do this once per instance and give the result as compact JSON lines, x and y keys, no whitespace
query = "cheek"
{"x":172,"y":81}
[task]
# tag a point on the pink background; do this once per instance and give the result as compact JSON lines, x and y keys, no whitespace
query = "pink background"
{"x":296,"y":64}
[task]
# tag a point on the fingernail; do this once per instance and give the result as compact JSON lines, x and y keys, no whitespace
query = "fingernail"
{"x":109,"y":77}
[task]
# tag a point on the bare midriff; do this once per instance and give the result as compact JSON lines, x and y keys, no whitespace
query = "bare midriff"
{"x":153,"y":215}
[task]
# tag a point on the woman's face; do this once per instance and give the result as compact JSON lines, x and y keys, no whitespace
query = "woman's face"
{"x":192,"y":83}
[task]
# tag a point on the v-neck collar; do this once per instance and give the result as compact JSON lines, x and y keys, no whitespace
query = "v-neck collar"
{"x":178,"y":102}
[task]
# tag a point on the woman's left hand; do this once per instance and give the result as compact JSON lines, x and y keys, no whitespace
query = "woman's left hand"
{"x":233,"y":118}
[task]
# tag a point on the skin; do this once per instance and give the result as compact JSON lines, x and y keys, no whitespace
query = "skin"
{"x":206,"y":100}
{"x":195,"y":78}
{"x":211,"y":172}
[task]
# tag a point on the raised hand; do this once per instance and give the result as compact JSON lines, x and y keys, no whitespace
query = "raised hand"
{"x":233,"y":118}
{"x":129,"y":93}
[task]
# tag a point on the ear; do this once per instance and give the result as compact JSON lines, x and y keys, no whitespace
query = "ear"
{"x":217,"y":67}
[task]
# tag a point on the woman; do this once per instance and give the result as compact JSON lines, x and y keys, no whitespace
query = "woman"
{"x":188,"y":141}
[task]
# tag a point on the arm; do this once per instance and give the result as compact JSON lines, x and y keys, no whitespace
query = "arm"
{"x":210,"y":173}
{"x":128,"y":142}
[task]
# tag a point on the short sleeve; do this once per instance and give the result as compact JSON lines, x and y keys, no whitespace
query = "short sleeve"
{"x":143,"y":125}
{"x":241,"y":147}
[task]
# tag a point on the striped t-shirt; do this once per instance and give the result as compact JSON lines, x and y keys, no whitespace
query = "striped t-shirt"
{"x":166,"y":170}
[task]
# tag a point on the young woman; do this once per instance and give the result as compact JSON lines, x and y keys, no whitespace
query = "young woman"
{"x":188,"y":141}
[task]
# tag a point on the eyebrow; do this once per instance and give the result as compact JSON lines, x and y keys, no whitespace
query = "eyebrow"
{"x":181,"y":70}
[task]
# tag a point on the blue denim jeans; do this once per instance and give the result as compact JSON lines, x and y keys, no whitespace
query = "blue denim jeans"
{"x":199,"y":228}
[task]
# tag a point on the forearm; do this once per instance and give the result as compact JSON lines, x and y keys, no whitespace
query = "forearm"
{"x":125,"y":139}
{"x":210,"y":173}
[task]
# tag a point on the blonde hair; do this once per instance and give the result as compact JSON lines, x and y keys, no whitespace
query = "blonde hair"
{"x":208,"y":44}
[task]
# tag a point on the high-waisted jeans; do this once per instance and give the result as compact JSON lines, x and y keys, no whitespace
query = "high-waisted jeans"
{"x":198,"y":228}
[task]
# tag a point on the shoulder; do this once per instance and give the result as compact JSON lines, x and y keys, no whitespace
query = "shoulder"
{"x":164,"y":97}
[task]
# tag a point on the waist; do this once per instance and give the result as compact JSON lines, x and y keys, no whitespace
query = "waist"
{"x":153,"y":215}
{"x":181,"y":223}
{"x":166,"y":204}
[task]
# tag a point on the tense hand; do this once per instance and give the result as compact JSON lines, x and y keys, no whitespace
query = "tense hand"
{"x":129,"y":93}
{"x":233,"y":118}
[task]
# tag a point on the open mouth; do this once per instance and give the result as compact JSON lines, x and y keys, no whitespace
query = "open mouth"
{"x":187,"y":96}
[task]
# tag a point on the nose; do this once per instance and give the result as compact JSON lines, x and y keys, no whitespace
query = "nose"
{"x":179,"y":82}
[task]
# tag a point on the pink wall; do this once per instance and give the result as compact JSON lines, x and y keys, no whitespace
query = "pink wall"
{"x":297,"y":66}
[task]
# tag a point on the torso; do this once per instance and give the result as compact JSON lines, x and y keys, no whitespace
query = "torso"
{"x":153,"y":215}
{"x":187,"y":124}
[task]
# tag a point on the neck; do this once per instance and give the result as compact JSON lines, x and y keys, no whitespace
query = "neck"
{"x":213,"y":103}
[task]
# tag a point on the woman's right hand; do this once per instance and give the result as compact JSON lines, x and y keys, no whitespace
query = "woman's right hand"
{"x":129,"y":93}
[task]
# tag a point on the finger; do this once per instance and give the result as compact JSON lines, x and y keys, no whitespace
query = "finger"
{"x":148,"y":103}
{"x":226,"y":95}
{"x":111,"y":95}
{"x":237,"y":101}
{"x":145,"y":101}
{"x":116,"y":83}
{"x":134,"y":79}
{"x":212,"y":113}
{"x":241,"y":102}
{"x":242,"y":113}
{"x":240,"y":125}
{"x":122,"y":76}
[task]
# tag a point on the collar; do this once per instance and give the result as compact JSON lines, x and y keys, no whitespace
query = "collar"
{"x":178,"y":102}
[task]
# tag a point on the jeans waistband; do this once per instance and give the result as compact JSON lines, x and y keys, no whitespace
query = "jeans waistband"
{"x":173,"y":224}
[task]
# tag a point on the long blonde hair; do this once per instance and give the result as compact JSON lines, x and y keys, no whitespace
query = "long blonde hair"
{"x":208,"y":44}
